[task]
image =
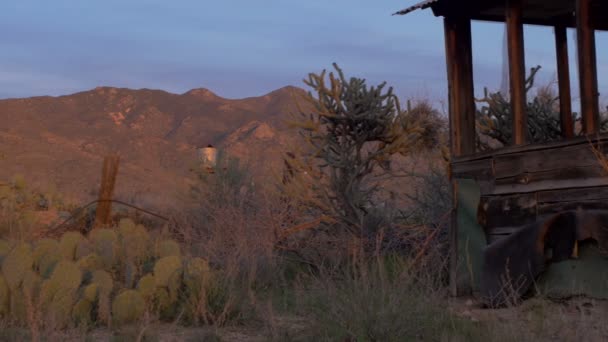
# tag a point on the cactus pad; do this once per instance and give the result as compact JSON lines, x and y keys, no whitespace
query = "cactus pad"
{"x":128,"y":307}
{"x":165,"y":268}
{"x":14,"y":266}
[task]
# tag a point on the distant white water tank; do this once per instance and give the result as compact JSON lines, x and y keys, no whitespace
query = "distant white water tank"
{"x":207,"y":156}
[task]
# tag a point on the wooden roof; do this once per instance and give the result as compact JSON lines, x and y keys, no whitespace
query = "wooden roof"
{"x":535,"y":12}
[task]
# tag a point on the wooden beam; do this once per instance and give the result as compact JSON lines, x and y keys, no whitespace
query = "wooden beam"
{"x":563,"y":75}
{"x":517,"y":70}
{"x":459,"y":61}
{"x":587,"y":66}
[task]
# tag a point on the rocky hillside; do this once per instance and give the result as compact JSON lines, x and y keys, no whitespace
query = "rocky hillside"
{"x":62,"y":140}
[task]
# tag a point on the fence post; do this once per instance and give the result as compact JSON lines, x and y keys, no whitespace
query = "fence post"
{"x":103,"y":214}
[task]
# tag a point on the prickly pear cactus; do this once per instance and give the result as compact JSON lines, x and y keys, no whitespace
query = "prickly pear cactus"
{"x":146,"y":286}
{"x":4,"y":297}
{"x":5,"y":247}
{"x":84,"y":248}
{"x":68,"y":244}
{"x":91,"y":263}
{"x":15,"y":265}
{"x":135,"y":241}
{"x":167,"y":248}
{"x":165,"y":268}
{"x":82,"y":312}
{"x":130,"y":274}
{"x":127,"y":307}
{"x":105,"y":285}
{"x":105,"y":242}
{"x":104,"y":280}
{"x":31,"y":286}
{"x":46,"y":255}
{"x":58,"y":293}
{"x":126,"y":226}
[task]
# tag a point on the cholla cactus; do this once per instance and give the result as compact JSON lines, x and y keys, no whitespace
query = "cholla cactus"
{"x":494,"y":119}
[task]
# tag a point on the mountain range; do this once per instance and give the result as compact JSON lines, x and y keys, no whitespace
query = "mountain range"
{"x":59,"y":142}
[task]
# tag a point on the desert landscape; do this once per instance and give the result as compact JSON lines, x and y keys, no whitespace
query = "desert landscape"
{"x":192,"y":173}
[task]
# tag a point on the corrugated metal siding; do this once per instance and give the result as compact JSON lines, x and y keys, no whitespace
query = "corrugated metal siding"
{"x":421,"y":5}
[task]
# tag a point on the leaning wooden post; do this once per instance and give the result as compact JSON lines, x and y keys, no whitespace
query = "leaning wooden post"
{"x":587,"y":66}
{"x":517,"y":70}
{"x":103,"y":215}
{"x":459,"y":60}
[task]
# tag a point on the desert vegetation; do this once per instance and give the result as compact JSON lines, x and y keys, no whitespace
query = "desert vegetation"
{"x":349,"y":244}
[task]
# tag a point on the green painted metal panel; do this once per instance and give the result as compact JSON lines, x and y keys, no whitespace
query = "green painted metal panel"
{"x":471,"y":237}
{"x":586,"y":276}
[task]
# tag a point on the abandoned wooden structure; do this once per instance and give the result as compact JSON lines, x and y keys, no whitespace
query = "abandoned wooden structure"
{"x":524,"y":181}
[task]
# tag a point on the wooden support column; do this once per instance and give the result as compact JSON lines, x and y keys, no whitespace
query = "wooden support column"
{"x":587,"y":66}
{"x":517,"y":70}
{"x":459,"y":61}
{"x":563,"y":76}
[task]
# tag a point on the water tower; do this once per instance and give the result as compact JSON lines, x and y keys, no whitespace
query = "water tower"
{"x":207,"y":156}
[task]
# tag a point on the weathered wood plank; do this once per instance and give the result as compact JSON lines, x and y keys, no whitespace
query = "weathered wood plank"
{"x":478,"y":169}
{"x":547,"y":147}
{"x":558,"y":175}
{"x":517,"y":70}
{"x":587,"y":67}
{"x":548,"y":185}
{"x":563,"y":75}
{"x":506,"y":211}
{"x":573,"y":195}
{"x":535,"y":161}
{"x":554,"y":208}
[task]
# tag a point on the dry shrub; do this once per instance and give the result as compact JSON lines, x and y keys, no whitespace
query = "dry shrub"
{"x":236,"y":227}
{"x":377,"y":300}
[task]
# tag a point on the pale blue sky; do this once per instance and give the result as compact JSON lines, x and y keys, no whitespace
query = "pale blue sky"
{"x":241,"y":48}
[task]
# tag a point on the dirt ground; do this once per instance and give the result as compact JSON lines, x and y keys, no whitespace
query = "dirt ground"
{"x":539,"y":319}
{"x":536,"y":319}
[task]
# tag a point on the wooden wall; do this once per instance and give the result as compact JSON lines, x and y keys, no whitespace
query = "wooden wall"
{"x":519,"y":184}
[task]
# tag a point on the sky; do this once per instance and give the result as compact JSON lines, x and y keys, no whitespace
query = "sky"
{"x":244,"y":48}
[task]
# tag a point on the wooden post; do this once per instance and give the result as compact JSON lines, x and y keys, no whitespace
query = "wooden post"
{"x":459,"y":61}
{"x":587,"y":66}
{"x":517,"y":70}
{"x":563,"y":76}
{"x":103,"y":214}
